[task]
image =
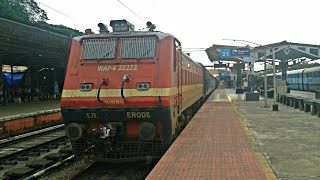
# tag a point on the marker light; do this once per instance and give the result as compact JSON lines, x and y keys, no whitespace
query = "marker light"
{"x":85,"y":86}
{"x":143,"y":86}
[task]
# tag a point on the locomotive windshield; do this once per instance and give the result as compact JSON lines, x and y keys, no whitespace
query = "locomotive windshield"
{"x":131,"y":48}
{"x":98,"y":49}
{"x":138,"y":47}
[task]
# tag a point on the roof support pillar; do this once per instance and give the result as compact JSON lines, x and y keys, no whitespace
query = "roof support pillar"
{"x":265,"y":80}
{"x":55,"y":83}
{"x":1,"y":57}
{"x":251,"y":74}
{"x":239,"y":75}
{"x":11,"y":68}
{"x":284,"y":68}
{"x":3,"y":88}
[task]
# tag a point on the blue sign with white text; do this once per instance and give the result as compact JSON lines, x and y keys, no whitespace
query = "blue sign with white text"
{"x":241,"y":52}
{"x":229,"y":53}
{"x":225,"y":53}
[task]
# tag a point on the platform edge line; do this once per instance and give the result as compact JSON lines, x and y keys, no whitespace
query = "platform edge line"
{"x":264,"y":163}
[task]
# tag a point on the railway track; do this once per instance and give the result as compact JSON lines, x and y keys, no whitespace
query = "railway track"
{"x":130,"y":171}
{"x":24,"y":155}
{"x":85,"y":168}
{"x":15,"y":139}
{"x":46,"y":154}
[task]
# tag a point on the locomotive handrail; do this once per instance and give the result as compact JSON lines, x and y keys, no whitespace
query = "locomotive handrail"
{"x":126,"y":78}
{"x":98,"y":94}
{"x":122,"y":85}
{"x":103,"y":82}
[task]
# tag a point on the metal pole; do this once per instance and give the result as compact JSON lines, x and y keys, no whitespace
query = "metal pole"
{"x":11,"y":68}
{"x":4,"y":97}
{"x":265,"y":79}
{"x":0,"y":70}
{"x":1,"y":84}
{"x":274,"y":76}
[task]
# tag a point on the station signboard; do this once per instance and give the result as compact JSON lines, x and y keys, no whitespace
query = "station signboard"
{"x":226,"y":53}
{"x":241,"y":52}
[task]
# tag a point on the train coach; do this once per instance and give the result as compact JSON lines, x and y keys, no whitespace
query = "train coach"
{"x":127,"y":94}
{"x":306,"y":79}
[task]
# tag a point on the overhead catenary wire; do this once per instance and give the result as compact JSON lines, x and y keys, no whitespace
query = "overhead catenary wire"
{"x":40,"y":3}
{"x":193,"y":49}
{"x":199,"y":50}
{"x":131,"y":11}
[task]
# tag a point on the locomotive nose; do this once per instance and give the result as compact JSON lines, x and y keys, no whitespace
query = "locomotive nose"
{"x":74,"y":131}
{"x":147,"y":131}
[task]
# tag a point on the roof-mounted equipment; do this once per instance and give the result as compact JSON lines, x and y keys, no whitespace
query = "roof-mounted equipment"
{"x":121,"y":26}
{"x":151,"y":26}
{"x":103,"y":28}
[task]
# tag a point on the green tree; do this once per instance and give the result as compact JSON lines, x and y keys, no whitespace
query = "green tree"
{"x":60,"y":29}
{"x":28,"y":12}
{"x":24,"y":11}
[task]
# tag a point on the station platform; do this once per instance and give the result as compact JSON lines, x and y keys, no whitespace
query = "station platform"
{"x":13,"y":109}
{"x":17,"y":118}
{"x":230,"y":138}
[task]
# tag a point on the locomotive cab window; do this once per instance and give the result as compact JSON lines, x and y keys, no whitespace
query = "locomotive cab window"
{"x":138,"y":48}
{"x":98,"y":49}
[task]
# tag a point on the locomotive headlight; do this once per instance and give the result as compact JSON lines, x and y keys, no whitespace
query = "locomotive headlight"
{"x":143,"y":86}
{"x":147,"y":131}
{"x":85,"y":86}
{"x":74,"y":131}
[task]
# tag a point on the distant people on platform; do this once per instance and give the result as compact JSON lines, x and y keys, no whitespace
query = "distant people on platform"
{"x":1,"y":94}
{"x":35,"y":93}
{"x":26,"y":94}
{"x":56,"y":90}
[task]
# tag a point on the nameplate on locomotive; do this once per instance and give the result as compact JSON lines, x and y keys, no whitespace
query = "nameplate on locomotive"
{"x":121,"y":67}
{"x":139,"y":115}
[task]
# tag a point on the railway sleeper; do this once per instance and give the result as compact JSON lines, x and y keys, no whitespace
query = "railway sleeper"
{"x":18,"y":173}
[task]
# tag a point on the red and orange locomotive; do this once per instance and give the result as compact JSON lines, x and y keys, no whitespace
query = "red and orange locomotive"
{"x":127,"y":94}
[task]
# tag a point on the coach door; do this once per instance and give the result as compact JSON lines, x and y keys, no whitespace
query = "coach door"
{"x":178,"y":69}
{"x":304,"y":80}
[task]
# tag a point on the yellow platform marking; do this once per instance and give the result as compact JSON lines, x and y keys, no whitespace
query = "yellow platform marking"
{"x":265,"y":165}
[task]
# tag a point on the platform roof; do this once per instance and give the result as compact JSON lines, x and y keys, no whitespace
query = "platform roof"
{"x":26,"y":45}
{"x":283,"y":51}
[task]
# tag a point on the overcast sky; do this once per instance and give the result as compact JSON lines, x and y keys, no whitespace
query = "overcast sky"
{"x":199,"y":23}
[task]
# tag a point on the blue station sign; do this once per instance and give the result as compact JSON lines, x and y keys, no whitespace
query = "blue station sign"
{"x":226,"y":53}
{"x":241,"y":52}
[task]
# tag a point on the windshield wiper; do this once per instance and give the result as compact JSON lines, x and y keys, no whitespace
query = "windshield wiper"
{"x":105,"y":55}
{"x":145,"y":53}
